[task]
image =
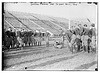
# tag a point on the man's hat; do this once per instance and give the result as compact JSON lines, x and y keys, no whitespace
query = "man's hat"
{"x":93,"y":25}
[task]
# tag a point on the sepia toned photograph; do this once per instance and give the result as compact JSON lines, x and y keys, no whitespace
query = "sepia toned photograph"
{"x":49,"y":36}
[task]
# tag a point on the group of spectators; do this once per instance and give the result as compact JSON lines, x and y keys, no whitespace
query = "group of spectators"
{"x":19,"y":39}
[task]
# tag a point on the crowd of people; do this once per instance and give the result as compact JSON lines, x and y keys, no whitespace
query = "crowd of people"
{"x":82,"y":38}
{"x":79,"y":38}
{"x":19,"y":39}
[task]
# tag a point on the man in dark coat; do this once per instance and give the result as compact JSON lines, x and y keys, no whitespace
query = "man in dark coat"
{"x":8,"y":38}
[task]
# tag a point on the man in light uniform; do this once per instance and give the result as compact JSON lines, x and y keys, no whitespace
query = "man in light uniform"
{"x":93,"y":43}
{"x":84,"y":38}
{"x":93,"y":39}
{"x":73,"y":37}
{"x":85,"y":41}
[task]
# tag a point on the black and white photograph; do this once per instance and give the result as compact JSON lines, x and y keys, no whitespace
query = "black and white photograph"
{"x":49,"y":36}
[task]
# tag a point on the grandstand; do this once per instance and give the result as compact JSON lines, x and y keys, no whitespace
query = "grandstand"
{"x":31,"y":21}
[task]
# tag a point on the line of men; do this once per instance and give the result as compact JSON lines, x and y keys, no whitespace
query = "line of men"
{"x":82,"y":38}
{"x":13,"y":39}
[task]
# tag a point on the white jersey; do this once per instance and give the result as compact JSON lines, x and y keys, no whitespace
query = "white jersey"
{"x":84,"y":39}
{"x":93,"y":43}
{"x":20,"y":40}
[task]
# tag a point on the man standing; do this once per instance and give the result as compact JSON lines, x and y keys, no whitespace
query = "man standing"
{"x":73,"y":37}
{"x":78,"y":39}
{"x":8,"y":38}
{"x":93,"y":38}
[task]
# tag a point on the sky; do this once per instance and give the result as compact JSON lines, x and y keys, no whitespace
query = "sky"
{"x":66,"y":11}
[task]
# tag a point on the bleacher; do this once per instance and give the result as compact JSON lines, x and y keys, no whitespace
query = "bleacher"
{"x":6,"y":25}
{"x":30,"y":24}
{"x":22,"y":15}
{"x":36,"y":21}
{"x":41,"y":17}
{"x":62,"y":24}
{"x":15,"y":23}
{"x":46,"y":27}
{"x":50,"y":24}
